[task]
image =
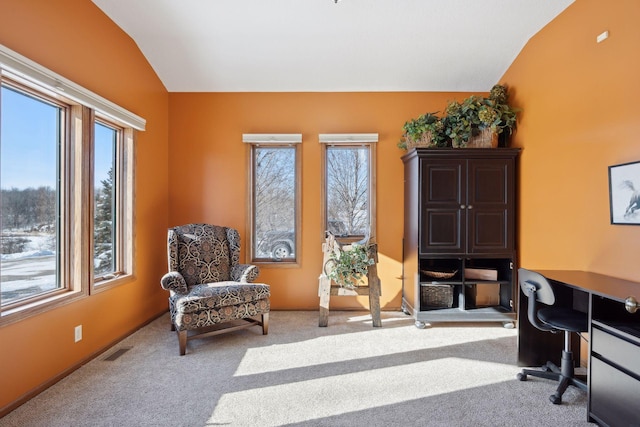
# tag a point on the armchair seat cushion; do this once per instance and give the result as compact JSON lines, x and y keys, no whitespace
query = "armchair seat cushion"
{"x":219,"y":294}
{"x":213,"y":303}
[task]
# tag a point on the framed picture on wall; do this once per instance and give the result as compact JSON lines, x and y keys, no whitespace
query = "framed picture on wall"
{"x":624,"y":193}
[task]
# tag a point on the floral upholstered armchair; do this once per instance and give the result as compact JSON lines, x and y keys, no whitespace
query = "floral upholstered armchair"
{"x":207,"y":284}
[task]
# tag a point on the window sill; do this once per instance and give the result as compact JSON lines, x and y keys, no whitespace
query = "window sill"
{"x":24,"y":311}
{"x":106,"y":284}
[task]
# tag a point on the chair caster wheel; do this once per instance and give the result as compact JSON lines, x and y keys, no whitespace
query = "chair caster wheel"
{"x":556,"y":400}
{"x":420,"y":325}
{"x":521,"y":376}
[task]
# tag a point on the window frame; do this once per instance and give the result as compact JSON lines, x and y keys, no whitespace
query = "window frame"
{"x":124,"y":186}
{"x":67,"y":286}
{"x":274,"y":141}
{"x":367,"y":140}
{"x":75,"y":160}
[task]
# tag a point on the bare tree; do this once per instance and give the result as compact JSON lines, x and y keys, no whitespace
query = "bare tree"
{"x":348,"y":187}
{"x":28,"y":209}
{"x":275,"y":189}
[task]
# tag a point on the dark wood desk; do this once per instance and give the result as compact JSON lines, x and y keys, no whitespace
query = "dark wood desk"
{"x":614,"y":341}
{"x":594,"y":283}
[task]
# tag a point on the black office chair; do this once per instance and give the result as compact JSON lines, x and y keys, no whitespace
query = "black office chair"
{"x":553,"y":319}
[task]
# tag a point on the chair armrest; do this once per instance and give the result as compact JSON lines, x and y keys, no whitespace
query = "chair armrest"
{"x":173,"y":281}
{"x":245,"y":273}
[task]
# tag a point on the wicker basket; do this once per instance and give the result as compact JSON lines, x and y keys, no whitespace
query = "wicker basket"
{"x":425,"y":141}
{"x":486,"y":138}
{"x":439,"y":274}
{"x":440,"y":296}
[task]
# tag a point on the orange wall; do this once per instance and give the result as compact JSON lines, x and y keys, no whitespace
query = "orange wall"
{"x":76,"y":40}
{"x":580,"y":115}
{"x":208,"y":176}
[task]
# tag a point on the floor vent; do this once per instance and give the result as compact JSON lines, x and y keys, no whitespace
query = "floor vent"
{"x":113,"y":356}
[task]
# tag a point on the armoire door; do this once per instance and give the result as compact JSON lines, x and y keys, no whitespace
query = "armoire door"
{"x":489,"y":208}
{"x":443,"y":193}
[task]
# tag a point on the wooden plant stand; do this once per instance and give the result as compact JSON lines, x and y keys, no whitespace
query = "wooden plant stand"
{"x":373,"y":289}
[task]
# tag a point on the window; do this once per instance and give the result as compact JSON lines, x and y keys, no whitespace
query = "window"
{"x":112,"y":203}
{"x":349,"y":192}
{"x":106,"y":200}
{"x":274,"y":198}
{"x":30,"y":195}
{"x":66,"y":190}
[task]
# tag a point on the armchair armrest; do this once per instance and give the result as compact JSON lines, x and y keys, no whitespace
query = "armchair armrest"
{"x":173,"y":281}
{"x":245,"y":273}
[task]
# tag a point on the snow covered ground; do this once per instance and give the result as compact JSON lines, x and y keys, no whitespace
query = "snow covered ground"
{"x":29,"y":272}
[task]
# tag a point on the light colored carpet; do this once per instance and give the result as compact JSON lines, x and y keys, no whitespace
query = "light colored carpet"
{"x":347,"y":374}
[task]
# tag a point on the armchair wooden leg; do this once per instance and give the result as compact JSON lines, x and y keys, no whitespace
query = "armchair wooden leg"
{"x":265,"y":323}
{"x":182,"y":342}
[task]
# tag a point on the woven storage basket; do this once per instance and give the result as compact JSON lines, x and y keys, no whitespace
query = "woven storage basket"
{"x":440,"y":296}
{"x":439,"y":274}
{"x":424,"y":141}
{"x":485,"y":139}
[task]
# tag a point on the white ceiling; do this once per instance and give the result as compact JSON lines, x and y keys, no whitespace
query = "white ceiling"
{"x":323,"y":46}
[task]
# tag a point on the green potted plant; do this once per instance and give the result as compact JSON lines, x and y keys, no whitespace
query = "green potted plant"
{"x":503,"y":117}
{"x":478,"y":121}
{"x":475,"y":122}
{"x":349,"y":265}
{"x":461,"y":119}
{"x":425,"y":131}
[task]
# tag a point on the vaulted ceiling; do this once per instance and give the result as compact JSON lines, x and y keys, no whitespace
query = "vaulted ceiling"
{"x":329,"y":46}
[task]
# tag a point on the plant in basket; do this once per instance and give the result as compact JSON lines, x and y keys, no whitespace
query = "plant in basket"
{"x":496,"y":113}
{"x":474,"y":122}
{"x":477,"y":120}
{"x":348,"y":266}
{"x":425,"y":131}
{"x":459,"y":121}
{"x":499,"y":98}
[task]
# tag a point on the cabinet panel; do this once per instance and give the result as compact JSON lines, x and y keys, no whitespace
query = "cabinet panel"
{"x":442,"y":181}
{"x":488,"y":231}
{"x":488,"y":182}
{"x":441,"y":231}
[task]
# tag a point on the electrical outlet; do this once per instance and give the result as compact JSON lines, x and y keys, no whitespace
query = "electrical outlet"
{"x":78,"y":333}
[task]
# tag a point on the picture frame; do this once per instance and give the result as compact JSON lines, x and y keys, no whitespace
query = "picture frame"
{"x":624,"y":193}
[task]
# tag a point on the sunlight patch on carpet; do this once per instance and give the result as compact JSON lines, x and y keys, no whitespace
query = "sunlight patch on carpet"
{"x":366,"y":318}
{"x":349,"y":347}
{"x":334,"y":395}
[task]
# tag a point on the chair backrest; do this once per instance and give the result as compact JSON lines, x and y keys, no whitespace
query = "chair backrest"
{"x":203,"y":253}
{"x":531,"y":280}
{"x":538,"y":290}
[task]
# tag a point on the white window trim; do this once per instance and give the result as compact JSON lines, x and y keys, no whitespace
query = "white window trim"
{"x":20,"y":68}
{"x":347,"y":138}
{"x":272,"y":138}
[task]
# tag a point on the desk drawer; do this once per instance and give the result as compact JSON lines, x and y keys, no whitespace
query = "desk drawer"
{"x":617,"y":350}
{"x":614,"y":395}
